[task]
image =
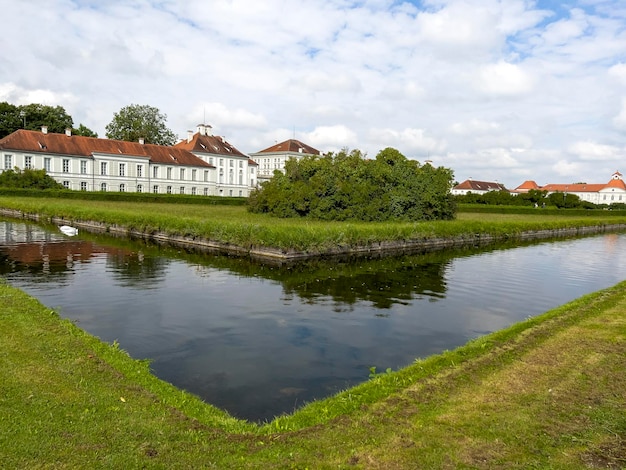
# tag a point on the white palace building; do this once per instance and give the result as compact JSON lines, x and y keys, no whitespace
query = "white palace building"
{"x":203,"y":164}
{"x":614,"y":191}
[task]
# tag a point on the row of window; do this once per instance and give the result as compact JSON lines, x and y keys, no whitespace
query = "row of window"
{"x":66,"y":167}
{"x":155,"y":189}
{"x":140,"y":188}
{"x":231,"y":163}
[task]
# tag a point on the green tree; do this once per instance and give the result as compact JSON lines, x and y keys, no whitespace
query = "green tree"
{"x":84,"y":131}
{"x":37,"y":115}
{"x":564,"y":200}
{"x":9,"y":119}
{"x":346,"y":186}
{"x":535,"y":196}
{"x":33,"y":116}
{"x":136,"y":122}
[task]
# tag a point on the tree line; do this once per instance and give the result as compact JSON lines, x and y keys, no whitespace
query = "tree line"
{"x":130,"y":123}
{"x":534,"y":197}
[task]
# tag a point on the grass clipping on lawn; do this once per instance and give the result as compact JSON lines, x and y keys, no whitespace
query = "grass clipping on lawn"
{"x":549,"y":392}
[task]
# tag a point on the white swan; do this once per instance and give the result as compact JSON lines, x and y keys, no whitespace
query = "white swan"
{"x":69,"y":231}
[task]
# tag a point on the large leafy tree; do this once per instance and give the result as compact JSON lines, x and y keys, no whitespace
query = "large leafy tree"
{"x":346,"y":186}
{"x":136,"y":122}
{"x":33,"y":116}
{"x":9,"y":119}
{"x":54,"y":117}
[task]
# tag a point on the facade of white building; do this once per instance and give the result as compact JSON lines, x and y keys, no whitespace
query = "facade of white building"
{"x":92,"y":164}
{"x":274,"y":158}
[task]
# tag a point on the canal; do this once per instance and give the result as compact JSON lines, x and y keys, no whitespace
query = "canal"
{"x":260,"y":340}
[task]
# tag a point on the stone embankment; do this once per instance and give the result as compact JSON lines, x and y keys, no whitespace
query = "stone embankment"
{"x":278,"y":255}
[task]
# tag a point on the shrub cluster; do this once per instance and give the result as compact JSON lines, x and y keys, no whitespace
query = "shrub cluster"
{"x":28,"y":178}
{"x":347,"y":186}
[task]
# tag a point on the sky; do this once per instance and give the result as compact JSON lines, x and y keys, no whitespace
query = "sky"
{"x":496,"y":90}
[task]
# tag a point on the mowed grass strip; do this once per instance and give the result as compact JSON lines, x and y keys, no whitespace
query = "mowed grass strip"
{"x":549,"y":392}
{"x":234,"y":225}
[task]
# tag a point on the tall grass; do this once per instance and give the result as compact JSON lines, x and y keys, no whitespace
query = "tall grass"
{"x":235,"y":226}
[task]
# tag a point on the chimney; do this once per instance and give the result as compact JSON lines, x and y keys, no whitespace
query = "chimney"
{"x":189,"y":136}
{"x":68,"y":132}
{"x":44,"y":129}
{"x":142,"y":140}
{"x":204,"y":129}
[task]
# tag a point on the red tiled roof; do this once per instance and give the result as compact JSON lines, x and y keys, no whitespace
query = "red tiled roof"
{"x":472,"y":185}
{"x":573,"y":188}
{"x":616,"y":183}
{"x":75,"y":145}
{"x":209,"y":144}
{"x":527,"y":185}
{"x":293,"y":146}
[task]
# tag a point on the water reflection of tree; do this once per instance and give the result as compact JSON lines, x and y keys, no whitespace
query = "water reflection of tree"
{"x":383,"y":282}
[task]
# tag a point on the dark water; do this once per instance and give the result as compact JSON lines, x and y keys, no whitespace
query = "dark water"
{"x":260,"y":340}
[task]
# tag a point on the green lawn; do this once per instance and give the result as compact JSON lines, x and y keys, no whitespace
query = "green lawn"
{"x":549,"y":392}
{"x":235,"y":226}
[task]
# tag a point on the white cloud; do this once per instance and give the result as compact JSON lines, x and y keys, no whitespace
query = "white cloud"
{"x":504,"y":79}
{"x":222,"y":115}
{"x":620,"y":120}
{"x":318,"y":81}
{"x":564,"y":31}
{"x":408,"y":141}
{"x":332,"y":137}
{"x":17,"y":95}
{"x":618,"y":72}
{"x":586,"y":150}
{"x":569,"y":169}
{"x":474,"y":126}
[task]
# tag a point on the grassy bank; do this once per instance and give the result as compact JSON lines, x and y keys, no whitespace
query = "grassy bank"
{"x":549,"y":392}
{"x":234,"y":225}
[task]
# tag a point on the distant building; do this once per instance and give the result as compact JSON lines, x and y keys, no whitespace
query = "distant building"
{"x":608,"y":193}
{"x":235,"y":173}
{"x":274,"y":157}
{"x":476,"y":187}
